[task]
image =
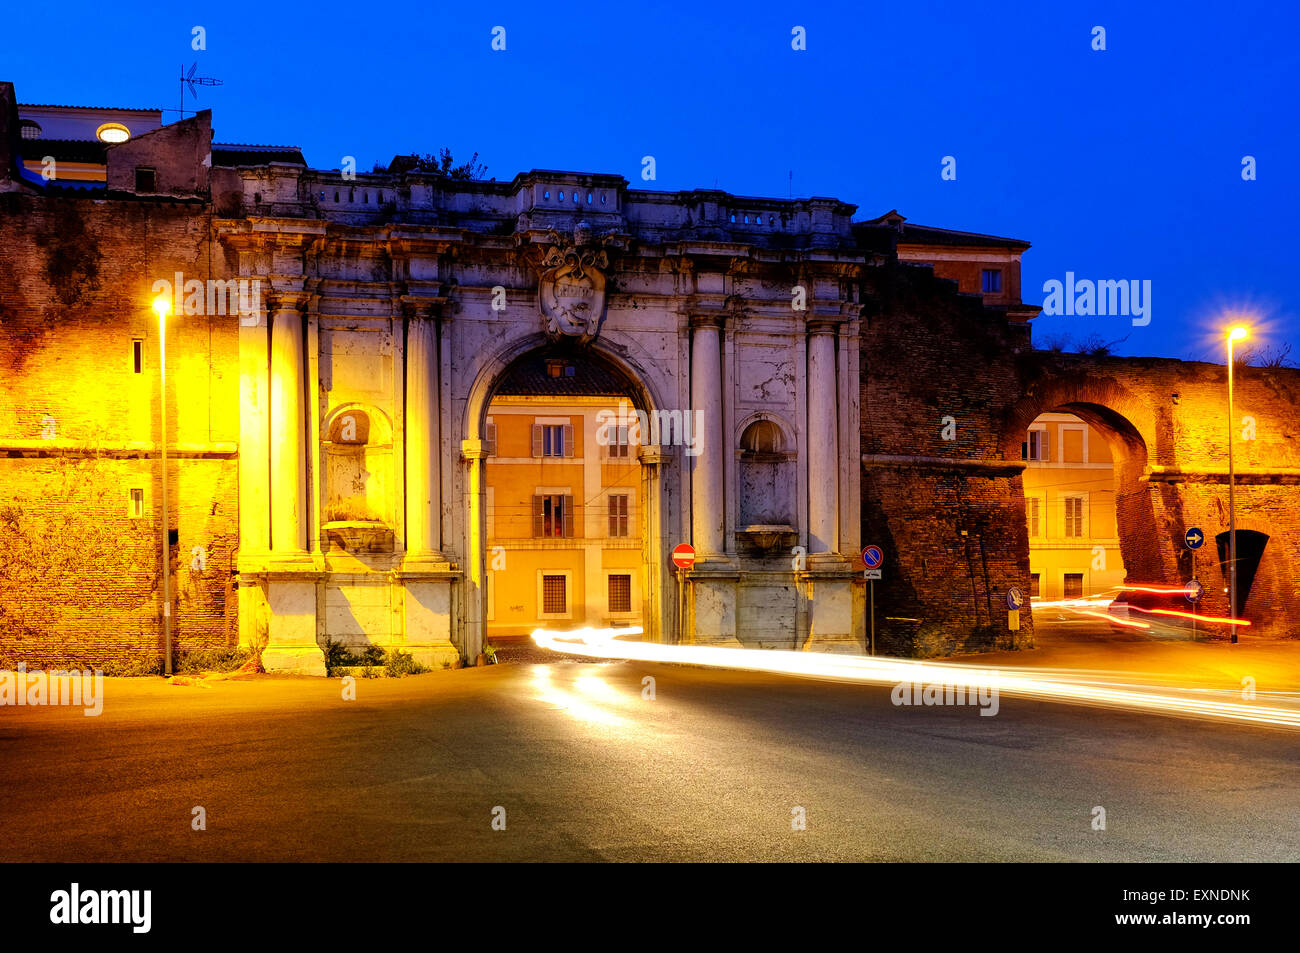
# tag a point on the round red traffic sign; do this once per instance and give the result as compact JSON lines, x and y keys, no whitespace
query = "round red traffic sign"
{"x":873,"y":557}
{"x":684,"y":556}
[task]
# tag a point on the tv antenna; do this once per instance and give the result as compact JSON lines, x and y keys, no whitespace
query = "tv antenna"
{"x":190,"y":80}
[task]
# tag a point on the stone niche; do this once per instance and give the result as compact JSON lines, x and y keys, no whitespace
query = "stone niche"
{"x":767,"y":485}
{"x":358,"y":510}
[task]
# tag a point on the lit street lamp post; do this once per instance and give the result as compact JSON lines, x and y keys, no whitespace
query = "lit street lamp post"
{"x":162,"y":306}
{"x":1236,"y":334}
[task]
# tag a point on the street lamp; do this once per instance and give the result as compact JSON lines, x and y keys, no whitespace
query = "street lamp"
{"x":162,"y":307}
{"x":1236,"y":334}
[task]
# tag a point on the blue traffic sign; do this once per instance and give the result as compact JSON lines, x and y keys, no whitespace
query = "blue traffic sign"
{"x":1015,"y":598}
{"x":873,"y":557}
{"x":1194,"y":590}
{"x":1194,"y":538}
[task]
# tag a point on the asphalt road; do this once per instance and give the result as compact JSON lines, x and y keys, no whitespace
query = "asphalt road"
{"x":587,"y":769}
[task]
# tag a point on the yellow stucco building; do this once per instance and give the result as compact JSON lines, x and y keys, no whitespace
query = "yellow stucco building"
{"x":562,"y":513}
{"x":1070,"y":510}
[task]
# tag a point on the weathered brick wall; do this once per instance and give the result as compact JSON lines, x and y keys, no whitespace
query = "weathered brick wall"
{"x":949,"y":513}
{"x":79,"y":577}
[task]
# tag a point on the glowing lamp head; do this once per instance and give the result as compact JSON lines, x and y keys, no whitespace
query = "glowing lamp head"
{"x":1238,"y":334}
{"x":162,"y":307}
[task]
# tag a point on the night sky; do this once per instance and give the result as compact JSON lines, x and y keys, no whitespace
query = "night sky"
{"x":1122,"y":164}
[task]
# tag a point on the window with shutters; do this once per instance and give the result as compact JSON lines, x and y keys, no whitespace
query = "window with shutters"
{"x":553,"y":516}
{"x":619,"y":448}
{"x":618,"y":514}
{"x":1033,"y":510}
{"x":1074,"y":508}
{"x":555,"y":594}
{"x":552,"y":440}
{"x":1036,"y":448}
{"x":490,"y":438}
{"x":620,"y":592}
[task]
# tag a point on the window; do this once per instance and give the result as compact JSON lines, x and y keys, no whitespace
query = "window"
{"x":136,"y":508}
{"x":146,"y":180}
{"x":137,"y":355}
{"x":620,"y":593}
{"x":555,"y":596}
{"x":618,"y":509}
{"x":619,"y":447}
{"x":1073,"y":585}
{"x":1036,"y":447}
{"x":553,"y":516}
{"x":552,"y":440}
{"x":31,"y":129}
{"x":1032,"y":515}
{"x":992,"y":279}
{"x":1074,"y":516}
{"x":490,"y":439}
{"x":1035,"y":585}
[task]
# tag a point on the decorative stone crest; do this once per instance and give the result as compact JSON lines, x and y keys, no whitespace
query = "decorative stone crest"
{"x":571,"y":292}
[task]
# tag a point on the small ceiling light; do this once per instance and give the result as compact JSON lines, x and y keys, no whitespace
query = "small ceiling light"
{"x":112,"y":132}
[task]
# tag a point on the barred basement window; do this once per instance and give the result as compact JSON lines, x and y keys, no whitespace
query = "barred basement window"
{"x":137,"y":502}
{"x":620,"y":593}
{"x":1073,"y":585}
{"x":554,"y":597}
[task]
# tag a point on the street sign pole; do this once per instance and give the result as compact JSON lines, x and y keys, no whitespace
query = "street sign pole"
{"x":871,"y":584}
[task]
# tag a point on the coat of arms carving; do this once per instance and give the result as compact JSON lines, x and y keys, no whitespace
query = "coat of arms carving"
{"x":571,"y":291}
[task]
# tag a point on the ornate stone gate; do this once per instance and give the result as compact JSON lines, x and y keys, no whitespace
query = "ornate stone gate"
{"x":395,"y":309}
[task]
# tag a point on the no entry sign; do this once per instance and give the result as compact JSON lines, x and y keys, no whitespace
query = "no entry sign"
{"x":684,"y":556}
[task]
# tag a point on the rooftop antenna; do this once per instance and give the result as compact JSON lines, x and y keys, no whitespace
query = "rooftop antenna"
{"x":189,"y":79}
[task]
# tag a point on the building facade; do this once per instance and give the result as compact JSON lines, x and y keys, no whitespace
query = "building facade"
{"x":1069,"y":480}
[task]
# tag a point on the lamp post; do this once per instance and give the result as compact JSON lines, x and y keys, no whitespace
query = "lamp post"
{"x":1236,"y":334}
{"x":162,"y":306}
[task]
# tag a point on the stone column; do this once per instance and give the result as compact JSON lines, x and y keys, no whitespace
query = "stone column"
{"x":823,"y":443}
{"x":423,"y":474}
{"x":708,"y":507}
{"x":475,"y":455}
{"x":288,"y":460}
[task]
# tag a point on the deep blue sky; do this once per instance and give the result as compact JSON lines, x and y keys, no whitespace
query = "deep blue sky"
{"x":1117,"y":164}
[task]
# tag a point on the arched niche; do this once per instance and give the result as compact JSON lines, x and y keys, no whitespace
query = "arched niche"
{"x":357,"y":441}
{"x":766,"y":471}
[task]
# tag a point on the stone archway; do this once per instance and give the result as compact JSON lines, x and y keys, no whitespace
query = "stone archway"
{"x":1126,"y":424}
{"x":658,"y":587}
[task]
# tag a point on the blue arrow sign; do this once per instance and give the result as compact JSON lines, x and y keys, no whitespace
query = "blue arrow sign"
{"x":1194,"y":538}
{"x":1015,"y":598}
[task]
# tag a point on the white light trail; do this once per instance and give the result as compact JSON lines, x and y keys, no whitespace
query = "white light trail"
{"x":1076,"y":687}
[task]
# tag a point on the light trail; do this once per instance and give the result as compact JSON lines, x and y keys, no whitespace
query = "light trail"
{"x":1110,"y":618}
{"x":1192,"y":615}
{"x":1086,"y":688}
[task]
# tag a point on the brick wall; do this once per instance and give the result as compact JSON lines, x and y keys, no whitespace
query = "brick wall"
{"x":79,"y":576}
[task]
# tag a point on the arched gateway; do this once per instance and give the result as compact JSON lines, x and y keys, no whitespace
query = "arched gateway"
{"x":718,"y":313}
